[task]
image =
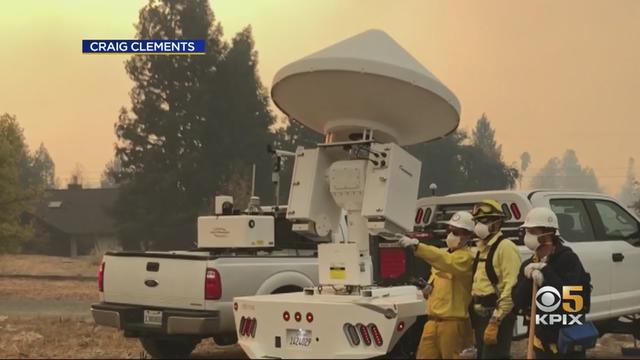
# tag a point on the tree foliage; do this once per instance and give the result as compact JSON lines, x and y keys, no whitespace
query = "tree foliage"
{"x":17,"y":188}
{"x":458,"y":164}
{"x":195,"y":126}
{"x":630,"y":193}
{"x":566,"y":174}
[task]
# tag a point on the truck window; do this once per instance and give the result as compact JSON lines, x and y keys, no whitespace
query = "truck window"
{"x":573,"y":220}
{"x":617,"y":223}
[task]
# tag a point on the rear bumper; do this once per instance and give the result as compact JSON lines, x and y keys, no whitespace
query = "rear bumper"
{"x":174,"y":322}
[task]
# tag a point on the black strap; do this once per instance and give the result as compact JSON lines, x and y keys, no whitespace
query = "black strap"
{"x":488,"y":262}
{"x":491,"y":272}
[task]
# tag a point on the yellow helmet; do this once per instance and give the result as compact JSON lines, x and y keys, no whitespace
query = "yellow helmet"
{"x":487,"y":208}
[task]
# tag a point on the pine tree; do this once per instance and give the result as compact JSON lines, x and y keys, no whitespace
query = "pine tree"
{"x":195,"y":127}
{"x":629,"y":193}
{"x":15,"y":197}
{"x":159,"y":142}
{"x":44,"y":168}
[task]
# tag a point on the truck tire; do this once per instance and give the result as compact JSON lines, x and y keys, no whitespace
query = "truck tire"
{"x":168,"y":348}
{"x":225,"y":339}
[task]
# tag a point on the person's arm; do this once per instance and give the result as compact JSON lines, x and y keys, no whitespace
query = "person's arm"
{"x":456,"y":263}
{"x":507,"y":263}
{"x":521,"y":293}
{"x":569,"y":273}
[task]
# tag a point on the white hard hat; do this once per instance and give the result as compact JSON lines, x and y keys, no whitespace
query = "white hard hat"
{"x":461,"y":220}
{"x":541,"y":217}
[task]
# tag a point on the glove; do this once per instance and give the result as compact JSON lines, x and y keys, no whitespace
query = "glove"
{"x":491,"y":332}
{"x":537,"y":276}
{"x":528,"y":270}
{"x":406,"y":241}
{"x":427,"y":291}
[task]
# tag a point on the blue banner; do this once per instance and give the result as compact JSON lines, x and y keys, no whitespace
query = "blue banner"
{"x":144,"y":47}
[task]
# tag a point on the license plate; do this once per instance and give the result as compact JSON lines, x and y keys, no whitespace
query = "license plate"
{"x":298,"y":338}
{"x":153,"y":317}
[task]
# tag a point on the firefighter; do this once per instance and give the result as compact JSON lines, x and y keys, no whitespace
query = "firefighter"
{"x":495,"y":272}
{"x":448,"y":330}
{"x":552,"y":264}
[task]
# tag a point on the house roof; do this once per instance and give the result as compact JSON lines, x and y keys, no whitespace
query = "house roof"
{"x":78,"y":211}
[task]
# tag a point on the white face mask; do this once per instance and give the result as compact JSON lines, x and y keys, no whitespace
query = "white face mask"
{"x":482,"y":230}
{"x":531,"y":241}
{"x":452,"y":241}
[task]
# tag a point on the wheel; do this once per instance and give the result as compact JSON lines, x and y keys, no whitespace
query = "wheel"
{"x":226,"y":339}
{"x":168,"y":348}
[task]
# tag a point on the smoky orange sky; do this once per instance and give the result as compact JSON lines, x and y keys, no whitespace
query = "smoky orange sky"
{"x":550,"y":75}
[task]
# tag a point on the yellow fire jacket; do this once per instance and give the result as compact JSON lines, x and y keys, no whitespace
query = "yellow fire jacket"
{"x":506,"y":263}
{"x":451,"y":276}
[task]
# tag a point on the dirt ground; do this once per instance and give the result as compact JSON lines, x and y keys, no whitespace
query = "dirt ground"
{"x":48,"y":289}
{"x":79,"y":337}
{"x":48,"y":265}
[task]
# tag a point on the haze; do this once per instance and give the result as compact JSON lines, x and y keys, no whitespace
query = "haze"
{"x":550,"y":75}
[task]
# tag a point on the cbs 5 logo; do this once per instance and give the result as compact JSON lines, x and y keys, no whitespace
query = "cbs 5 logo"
{"x":548,"y":299}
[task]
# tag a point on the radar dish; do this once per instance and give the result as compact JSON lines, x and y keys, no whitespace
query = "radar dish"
{"x":367,"y":82}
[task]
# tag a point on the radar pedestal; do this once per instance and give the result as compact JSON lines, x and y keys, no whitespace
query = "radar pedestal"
{"x":369,"y":97}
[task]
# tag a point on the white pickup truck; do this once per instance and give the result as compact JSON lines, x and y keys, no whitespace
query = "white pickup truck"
{"x":603,"y":233}
{"x":172,"y":300}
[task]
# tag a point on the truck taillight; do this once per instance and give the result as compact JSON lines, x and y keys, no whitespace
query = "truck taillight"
{"x":376,"y":334}
{"x":419,"y":214}
{"x":393,"y":262}
{"x":101,"y":277}
{"x":212,"y":285}
{"x":515,"y":211}
{"x":364,"y":332}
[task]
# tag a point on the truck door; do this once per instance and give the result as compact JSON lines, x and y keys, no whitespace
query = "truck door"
{"x":576,"y":227}
{"x":620,"y":230}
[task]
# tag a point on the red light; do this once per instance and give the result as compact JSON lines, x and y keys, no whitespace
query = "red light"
{"x":247,"y":327}
{"x":212,"y":285}
{"x":400,"y":326}
{"x":286,"y":316}
{"x":376,"y":334}
{"x":298,"y":316}
{"x":515,"y":211}
{"x":419,"y":215}
{"x":309,"y":317}
{"x":235,"y":306}
{"x":101,"y":277}
{"x":364,"y":332}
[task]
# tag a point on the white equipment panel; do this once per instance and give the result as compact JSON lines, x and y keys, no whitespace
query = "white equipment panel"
{"x":310,"y":203}
{"x":236,"y":231}
{"x":341,"y":264}
{"x":391,"y":186}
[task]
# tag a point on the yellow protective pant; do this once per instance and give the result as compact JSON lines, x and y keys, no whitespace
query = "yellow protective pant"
{"x":445,"y":339}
